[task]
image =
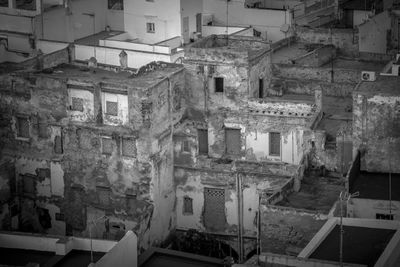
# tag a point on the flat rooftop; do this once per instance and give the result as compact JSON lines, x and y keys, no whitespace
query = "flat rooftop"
{"x":316,"y":194}
{"x":383,"y":85}
{"x":155,"y":257}
{"x":145,"y":78}
{"x":361,"y":245}
{"x":230,"y":42}
{"x":93,"y":40}
{"x":376,"y":186}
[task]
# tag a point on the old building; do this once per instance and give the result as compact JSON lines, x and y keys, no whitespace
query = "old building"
{"x":79,"y":143}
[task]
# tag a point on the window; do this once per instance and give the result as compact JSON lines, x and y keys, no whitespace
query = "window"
{"x":58,"y":145}
{"x":112,"y":108}
{"x":106,"y":145}
{"x":116,"y":4}
{"x":60,"y":217}
{"x":149,"y":0}
{"x":214,"y":209}
{"x":103,"y":194}
{"x":185,"y":146}
{"x":274,"y":144}
{"x":128,"y":147}
{"x":261,"y":88}
{"x":219,"y":84}
{"x":77,"y":104}
{"x":187,"y":205}
{"x":381,"y":216}
{"x":151,"y":28}
{"x":28,"y":185}
{"x":202,"y":135}
{"x":22,"y":127}
{"x":232,"y":141}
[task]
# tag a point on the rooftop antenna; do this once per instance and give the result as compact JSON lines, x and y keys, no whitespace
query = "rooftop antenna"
{"x":227,"y":20}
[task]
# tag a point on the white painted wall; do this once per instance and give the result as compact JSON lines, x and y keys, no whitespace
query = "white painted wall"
{"x":290,"y":152}
{"x":269,"y":20}
{"x":135,"y":46}
{"x":110,"y":56}
{"x":367,"y":208}
{"x":373,"y":34}
{"x":189,"y":8}
{"x":166,"y":15}
{"x":209,"y":30}
{"x":50,"y":46}
{"x":88,"y":105}
{"x":123,"y":110}
{"x":18,"y":24}
{"x":57,"y":179}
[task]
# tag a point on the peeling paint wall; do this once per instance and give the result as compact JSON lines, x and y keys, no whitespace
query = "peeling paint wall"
{"x":376,"y":129}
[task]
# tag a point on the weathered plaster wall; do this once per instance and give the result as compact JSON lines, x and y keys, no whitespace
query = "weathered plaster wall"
{"x":368,"y":208}
{"x":288,"y":230}
{"x":376,"y":130}
{"x":373,"y":34}
{"x":346,"y":40}
{"x":191,"y":182}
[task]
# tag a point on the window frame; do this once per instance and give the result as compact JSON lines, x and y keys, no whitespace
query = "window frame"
{"x":187,"y":205}
{"x":150,"y":27}
{"x":18,"y":127}
{"x":72,"y":104}
{"x":131,"y":139}
{"x":106,"y":109}
{"x":270,"y":152}
{"x":185,"y":146}
{"x":102,"y":145}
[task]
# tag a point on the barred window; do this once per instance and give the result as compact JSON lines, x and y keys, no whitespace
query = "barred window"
{"x":185,"y":146}
{"x":116,"y":4}
{"x":112,"y":108}
{"x":214,"y":209}
{"x":77,"y":104}
{"x":106,"y":145}
{"x":128,"y":147}
{"x":22,"y":127}
{"x":187,"y":205}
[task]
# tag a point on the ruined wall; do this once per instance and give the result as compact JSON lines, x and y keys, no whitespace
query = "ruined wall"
{"x":318,"y":57}
{"x":76,"y":169}
{"x":376,"y":130}
{"x":288,"y":230}
{"x":344,"y":39}
{"x":191,"y":183}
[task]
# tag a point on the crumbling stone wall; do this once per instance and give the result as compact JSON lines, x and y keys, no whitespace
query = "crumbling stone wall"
{"x":288,"y":230}
{"x":376,"y":131}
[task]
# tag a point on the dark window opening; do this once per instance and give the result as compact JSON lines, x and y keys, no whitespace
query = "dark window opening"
{"x":22,"y":127}
{"x":60,"y":217}
{"x":261,"y":88}
{"x":28,"y":185}
{"x":77,"y":104}
{"x":106,"y":146}
{"x":203,"y":141}
{"x":187,"y":205}
{"x":112,"y":108}
{"x":274,"y":144}
{"x":185,"y":146}
{"x":58,"y":145}
{"x":116,"y":4}
{"x":128,"y":147}
{"x":232,"y":141}
{"x":382,"y":216}
{"x":151,"y":28}
{"x":219,"y":84}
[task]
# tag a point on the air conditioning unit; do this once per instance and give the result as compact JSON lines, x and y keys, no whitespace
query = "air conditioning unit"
{"x":368,"y":76}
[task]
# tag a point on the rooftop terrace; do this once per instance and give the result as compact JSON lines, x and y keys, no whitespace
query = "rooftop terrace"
{"x":145,"y":77}
{"x":316,"y":194}
{"x":383,"y":85}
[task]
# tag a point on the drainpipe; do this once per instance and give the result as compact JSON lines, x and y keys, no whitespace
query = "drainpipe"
{"x":240,"y":214}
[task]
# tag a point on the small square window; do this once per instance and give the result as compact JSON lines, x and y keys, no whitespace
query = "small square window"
{"x":219,"y":84}
{"x":77,"y":104}
{"x":187,"y":205}
{"x":185,"y":146}
{"x":112,"y":108}
{"x":106,"y":146}
{"x":151,"y":28}
{"x":22,"y":127}
{"x":116,"y":4}
{"x":128,"y":147}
